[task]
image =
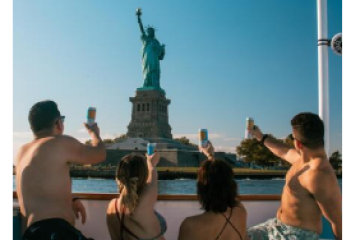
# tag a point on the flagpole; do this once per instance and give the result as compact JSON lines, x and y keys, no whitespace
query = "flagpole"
{"x":323,"y":69}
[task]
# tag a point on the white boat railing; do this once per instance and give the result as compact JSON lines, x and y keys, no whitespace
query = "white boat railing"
{"x":175,"y":208}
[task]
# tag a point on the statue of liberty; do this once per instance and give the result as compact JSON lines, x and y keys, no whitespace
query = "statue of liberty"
{"x":152,"y":53}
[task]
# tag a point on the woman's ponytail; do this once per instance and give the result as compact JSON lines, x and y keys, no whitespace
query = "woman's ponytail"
{"x":130,"y":194}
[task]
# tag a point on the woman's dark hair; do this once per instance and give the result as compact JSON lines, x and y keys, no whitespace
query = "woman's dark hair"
{"x":309,"y":129}
{"x":131,"y":175}
{"x":216,"y":187}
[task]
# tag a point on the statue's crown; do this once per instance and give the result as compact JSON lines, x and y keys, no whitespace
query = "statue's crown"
{"x":151,"y":27}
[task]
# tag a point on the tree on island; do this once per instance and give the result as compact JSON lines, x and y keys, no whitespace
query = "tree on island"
{"x":336,"y":160}
{"x":185,"y":141}
{"x":108,"y":140}
{"x":288,"y":140}
{"x":253,"y":151}
{"x":120,"y":138}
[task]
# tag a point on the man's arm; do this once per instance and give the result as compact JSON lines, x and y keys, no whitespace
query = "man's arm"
{"x":282,"y":150}
{"x":322,"y":184}
{"x":83,"y":154}
{"x":277,"y":147}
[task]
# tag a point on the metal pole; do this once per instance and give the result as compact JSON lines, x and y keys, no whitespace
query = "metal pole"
{"x":323,"y":72}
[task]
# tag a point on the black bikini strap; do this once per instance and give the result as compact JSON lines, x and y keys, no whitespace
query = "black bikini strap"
{"x":224,"y":225}
{"x":235,"y":229}
{"x":228,"y":221}
{"x":122,"y":224}
{"x":123,"y":227}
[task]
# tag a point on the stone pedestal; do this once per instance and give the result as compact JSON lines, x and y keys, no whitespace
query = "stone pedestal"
{"x":150,"y":118}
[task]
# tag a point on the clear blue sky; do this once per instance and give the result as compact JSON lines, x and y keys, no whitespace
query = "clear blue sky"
{"x":225,"y":61}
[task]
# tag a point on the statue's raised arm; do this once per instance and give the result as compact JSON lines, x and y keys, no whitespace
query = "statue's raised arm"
{"x":138,"y":13}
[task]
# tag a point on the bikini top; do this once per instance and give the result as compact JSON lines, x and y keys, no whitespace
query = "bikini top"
{"x":228,"y":222}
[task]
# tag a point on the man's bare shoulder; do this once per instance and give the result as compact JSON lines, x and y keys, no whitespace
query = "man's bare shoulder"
{"x":20,"y":153}
{"x":51,"y":142}
{"x":292,"y":156}
{"x":65,"y":139}
{"x":66,"y":142}
{"x":62,"y":144}
{"x":320,"y":173}
{"x":23,"y":148}
{"x":320,"y":166}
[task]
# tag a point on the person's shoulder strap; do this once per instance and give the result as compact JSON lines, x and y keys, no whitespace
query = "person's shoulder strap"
{"x":122,"y":224}
{"x":223,"y":228}
{"x":117,"y":210}
{"x":128,"y":230}
{"x":232,"y":225}
{"x":121,"y":219}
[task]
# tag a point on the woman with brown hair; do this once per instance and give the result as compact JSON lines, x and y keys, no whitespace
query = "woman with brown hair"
{"x":131,"y":215}
{"x":224,"y":216}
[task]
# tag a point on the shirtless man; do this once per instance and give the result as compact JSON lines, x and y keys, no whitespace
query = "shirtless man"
{"x":311,"y":189}
{"x":43,"y":182}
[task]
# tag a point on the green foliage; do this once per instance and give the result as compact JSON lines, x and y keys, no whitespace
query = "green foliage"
{"x":253,"y":151}
{"x":289,"y":141}
{"x":185,"y":141}
{"x":108,"y":140}
{"x":336,"y":160}
{"x":120,"y":138}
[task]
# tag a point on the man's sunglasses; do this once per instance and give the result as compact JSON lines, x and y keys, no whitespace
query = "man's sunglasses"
{"x":293,"y":138}
{"x":62,"y":119}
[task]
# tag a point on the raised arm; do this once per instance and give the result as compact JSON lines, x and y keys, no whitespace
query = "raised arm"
{"x":140,"y":24}
{"x":209,"y":151}
{"x":149,"y":194}
{"x":277,"y":147}
{"x":80,"y":153}
{"x":322,"y":184}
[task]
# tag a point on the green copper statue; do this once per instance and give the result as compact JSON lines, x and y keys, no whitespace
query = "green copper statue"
{"x":152,"y":53}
